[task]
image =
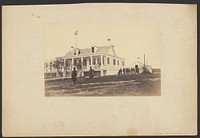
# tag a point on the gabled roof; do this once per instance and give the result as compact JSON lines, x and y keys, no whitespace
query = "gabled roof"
{"x":103,"y":49}
{"x":82,"y":52}
{"x":87,"y":51}
{"x":70,"y":53}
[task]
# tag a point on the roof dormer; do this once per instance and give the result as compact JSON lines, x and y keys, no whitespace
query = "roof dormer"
{"x":76,"y":51}
{"x":94,"y":49}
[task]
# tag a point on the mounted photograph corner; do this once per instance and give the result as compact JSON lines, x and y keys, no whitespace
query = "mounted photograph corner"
{"x":105,"y":62}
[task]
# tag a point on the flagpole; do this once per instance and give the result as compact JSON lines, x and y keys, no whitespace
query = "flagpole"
{"x":76,"y":33}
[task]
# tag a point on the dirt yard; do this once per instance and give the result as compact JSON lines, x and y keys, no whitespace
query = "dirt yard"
{"x":125,"y":85}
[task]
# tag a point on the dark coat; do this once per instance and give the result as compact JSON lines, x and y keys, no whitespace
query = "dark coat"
{"x":74,"y":74}
{"x":91,"y":73}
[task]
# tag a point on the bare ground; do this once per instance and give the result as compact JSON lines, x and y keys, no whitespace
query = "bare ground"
{"x":127,"y":85}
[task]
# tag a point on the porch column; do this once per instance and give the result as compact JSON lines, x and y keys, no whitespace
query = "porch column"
{"x":64,"y":67}
{"x":101,"y":61}
{"x":72,"y":63}
{"x":81,"y":60}
{"x":81,"y":67}
{"x":64,"y":62}
{"x":91,"y":60}
{"x":105,"y":61}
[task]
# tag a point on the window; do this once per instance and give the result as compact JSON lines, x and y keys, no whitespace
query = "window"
{"x":122,"y":63}
{"x":79,"y":52}
{"x":99,"y":61}
{"x":67,"y":63}
{"x":75,"y":62}
{"x":92,"y":49}
{"x":103,"y":60}
{"x":118,"y":62}
{"x":84,"y":62}
{"x":94,"y":61}
{"x":90,"y":61}
{"x":108,"y":61}
{"x":113,"y":61}
{"x":79,"y":65}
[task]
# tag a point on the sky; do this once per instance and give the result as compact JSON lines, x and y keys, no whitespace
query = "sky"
{"x":132,"y":37}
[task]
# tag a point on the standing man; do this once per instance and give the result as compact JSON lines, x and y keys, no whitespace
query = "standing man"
{"x":136,"y":69}
{"x":91,"y":73}
{"x":124,"y":70}
{"x":74,"y":76}
{"x":120,"y":71}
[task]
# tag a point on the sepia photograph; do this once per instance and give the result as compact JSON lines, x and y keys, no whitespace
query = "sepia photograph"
{"x":102,"y":59}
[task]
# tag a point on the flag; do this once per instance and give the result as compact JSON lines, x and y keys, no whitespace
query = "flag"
{"x":109,"y":39}
{"x":76,"y":33}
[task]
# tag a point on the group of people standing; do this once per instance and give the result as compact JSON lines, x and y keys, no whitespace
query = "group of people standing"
{"x":128,"y":70}
{"x":74,"y":74}
{"x":91,"y":72}
{"x":55,"y":72}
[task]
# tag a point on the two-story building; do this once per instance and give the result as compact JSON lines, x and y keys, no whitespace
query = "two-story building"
{"x":102,"y":59}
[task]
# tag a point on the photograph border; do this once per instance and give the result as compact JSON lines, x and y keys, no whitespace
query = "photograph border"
{"x":39,"y":2}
